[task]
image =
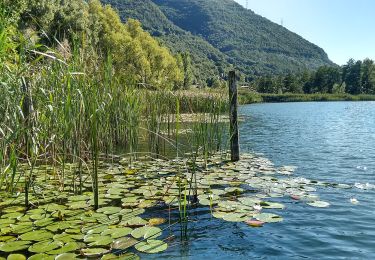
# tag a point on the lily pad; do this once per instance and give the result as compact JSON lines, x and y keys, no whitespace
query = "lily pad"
{"x":268,"y":217}
{"x":151,"y":246}
{"x":14,"y":246}
{"x":43,"y":222}
{"x":45,"y":246}
{"x":248,"y":201}
{"x":135,"y":221}
{"x":94,"y":252}
{"x":117,"y":232}
{"x":123,"y":243}
{"x":41,"y":257}
{"x":66,"y":256}
{"x":65,"y":237}
{"x":22,"y":228}
{"x":97,"y":230}
{"x":102,"y":241}
{"x":16,"y":257}
{"x":146,"y":232}
{"x":38,"y":235}
{"x":68,"y":247}
{"x":6,"y":238}
{"x":109,"y":210}
{"x":59,"y":226}
{"x":126,"y":256}
{"x":235,"y":217}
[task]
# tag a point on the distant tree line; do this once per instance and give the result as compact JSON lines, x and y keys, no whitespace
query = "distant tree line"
{"x":355,"y":77}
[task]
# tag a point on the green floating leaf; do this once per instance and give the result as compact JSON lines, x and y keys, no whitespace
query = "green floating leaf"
{"x":45,"y":246}
{"x":59,"y":226}
{"x":235,"y":217}
{"x":97,"y":230}
{"x":123,"y":243}
{"x":127,"y":256}
{"x":234,"y":190}
{"x":94,"y":252}
{"x":43,"y":222}
{"x":268,"y":217}
{"x":109,"y":210}
{"x":14,"y":209}
{"x":135,"y":221}
{"x":117,"y":232}
{"x":38,"y":235}
{"x":41,"y":257}
{"x":7,"y":221}
{"x":146,"y":232}
{"x":16,"y":257}
{"x":151,"y":246}
{"x":91,"y":238}
{"x":218,"y":214}
{"x":21,"y":228}
{"x":248,"y":201}
{"x":319,"y":204}
{"x":13,"y":246}
{"x":102,"y":241}
{"x":68,"y":247}
{"x":78,"y":205}
{"x":65,"y":237}
{"x":7,"y":238}
{"x":66,"y":256}
{"x":79,"y":198}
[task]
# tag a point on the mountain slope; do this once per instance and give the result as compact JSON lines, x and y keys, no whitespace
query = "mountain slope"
{"x":208,"y":61}
{"x":221,"y":32}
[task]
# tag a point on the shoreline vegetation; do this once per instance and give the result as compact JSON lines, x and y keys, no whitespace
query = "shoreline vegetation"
{"x":251,"y":97}
{"x":247,"y":97}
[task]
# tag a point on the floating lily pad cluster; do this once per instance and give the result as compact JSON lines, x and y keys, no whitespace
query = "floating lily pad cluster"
{"x":63,"y":225}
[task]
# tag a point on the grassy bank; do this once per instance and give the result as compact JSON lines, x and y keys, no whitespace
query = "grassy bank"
{"x":247,"y":97}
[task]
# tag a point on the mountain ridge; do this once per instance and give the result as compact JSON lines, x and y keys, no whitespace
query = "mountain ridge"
{"x":221,"y":34}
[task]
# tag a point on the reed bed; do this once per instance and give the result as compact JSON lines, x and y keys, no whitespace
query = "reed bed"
{"x":57,"y":111}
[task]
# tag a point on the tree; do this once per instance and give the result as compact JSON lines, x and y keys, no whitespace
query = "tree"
{"x":291,"y":84}
{"x":368,"y":76}
{"x":325,"y":78}
{"x":187,"y":69}
{"x":266,"y":85}
{"x":352,"y":77}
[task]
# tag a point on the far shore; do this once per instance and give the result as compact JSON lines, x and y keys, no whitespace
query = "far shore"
{"x":247,"y":97}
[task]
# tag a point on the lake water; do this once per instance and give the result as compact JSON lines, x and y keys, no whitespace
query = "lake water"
{"x":331,"y":142}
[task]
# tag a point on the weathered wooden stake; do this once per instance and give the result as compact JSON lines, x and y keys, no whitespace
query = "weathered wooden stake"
{"x":234,"y":135}
{"x":26,"y":107}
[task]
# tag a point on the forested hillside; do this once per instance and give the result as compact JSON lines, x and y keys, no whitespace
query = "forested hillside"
{"x":208,"y":62}
{"x":223,"y":33}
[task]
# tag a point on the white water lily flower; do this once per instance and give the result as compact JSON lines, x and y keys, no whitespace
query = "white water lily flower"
{"x":257,"y":207}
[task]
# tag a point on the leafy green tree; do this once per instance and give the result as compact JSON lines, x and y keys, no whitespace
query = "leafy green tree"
{"x":266,"y":85}
{"x":368,"y":76}
{"x":325,"y":78}
{"x":352,"y":76}
{"x":187,"y":69}
{"x":291,"y":84}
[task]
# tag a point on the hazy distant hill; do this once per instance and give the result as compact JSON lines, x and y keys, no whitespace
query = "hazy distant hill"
{"x":221,"y":32}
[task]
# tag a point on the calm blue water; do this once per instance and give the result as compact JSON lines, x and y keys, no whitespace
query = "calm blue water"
{"x":327,"y":141}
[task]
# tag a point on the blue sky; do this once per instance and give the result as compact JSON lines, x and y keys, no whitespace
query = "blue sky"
{"x":343,"y":28}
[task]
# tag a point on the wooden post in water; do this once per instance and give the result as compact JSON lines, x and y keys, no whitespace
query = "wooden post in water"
{"x":26,"y":110}
{"x":234,"y":135}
